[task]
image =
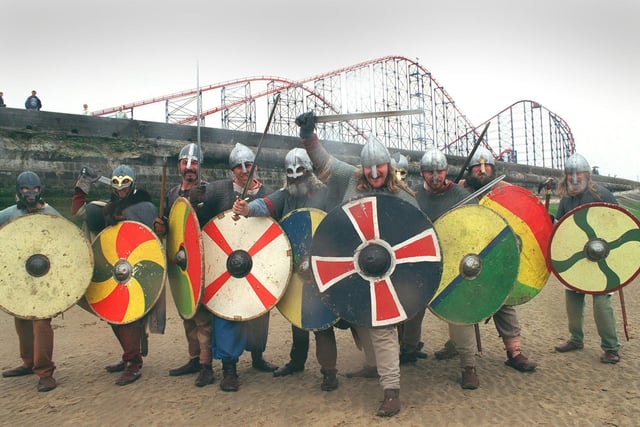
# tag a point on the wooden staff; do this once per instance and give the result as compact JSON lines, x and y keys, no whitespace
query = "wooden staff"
{"x":158,"y":314}
{"x":625,"y":323}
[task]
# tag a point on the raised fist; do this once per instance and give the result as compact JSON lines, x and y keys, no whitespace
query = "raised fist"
{"x":87,"y":176}
{"x":89,"y":172}
{"x":307,"y":123}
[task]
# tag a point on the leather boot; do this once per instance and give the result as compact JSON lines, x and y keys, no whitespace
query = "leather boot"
{"x":205,"y":377}
{"x":131,"y":374}
{"x":391,"y":403}
{"x":116,"y":367}
{"x":329,"y":380}
{"x":191,"y":367}
{"x":470,"y":379}
{"x":229,"y":377}
{"x":520,"y":362}
{"x":17,"y":372}
{"x":447,"y":352}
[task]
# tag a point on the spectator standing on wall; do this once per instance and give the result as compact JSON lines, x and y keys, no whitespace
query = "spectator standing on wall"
{"x":33,"y":102}
{"x":2,"y":104}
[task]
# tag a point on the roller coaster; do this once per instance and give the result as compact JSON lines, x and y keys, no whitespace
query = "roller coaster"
{"x":525,"y":132}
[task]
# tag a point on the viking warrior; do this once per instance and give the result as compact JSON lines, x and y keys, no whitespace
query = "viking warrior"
{"x":576,"y":189}
{"x":401,"y":165}
{"x":35,"y":337}
{"x":198,"y":328}
{"x":482,"y":171}
{"x":347,"y":182}
{"x":229,"y":338}
{"x":302,"y":190}
{"x":127,"y":202}
{"x":436,"y":196}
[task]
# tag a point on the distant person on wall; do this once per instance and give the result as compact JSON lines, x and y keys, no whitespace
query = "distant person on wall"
{"x":33,"y":102}
{"x":2,"y":104}
{"x":85,"y":109}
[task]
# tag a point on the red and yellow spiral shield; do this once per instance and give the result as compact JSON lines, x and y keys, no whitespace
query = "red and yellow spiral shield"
{"x":129,"y":272}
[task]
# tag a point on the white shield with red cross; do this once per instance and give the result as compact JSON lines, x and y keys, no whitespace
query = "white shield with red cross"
{"x":248,"y":263}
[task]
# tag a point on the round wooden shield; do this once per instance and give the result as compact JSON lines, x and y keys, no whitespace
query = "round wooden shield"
{"x":129,"y":272}
{"x":529,"y":219}
{"x":301,"y":303}
{"x":247,"y":265}
{"x":595,"y":248}
{"x":376,"y":260}
{"x":480,"y":253}
{"x":185,"y":266}
{"x":45,"y":266}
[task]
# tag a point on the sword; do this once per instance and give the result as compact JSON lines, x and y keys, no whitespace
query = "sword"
{"x":476,"y":193}
{"x":370,"y":115}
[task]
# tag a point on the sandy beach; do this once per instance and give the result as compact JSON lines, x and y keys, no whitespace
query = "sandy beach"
{"x":567,"y":389}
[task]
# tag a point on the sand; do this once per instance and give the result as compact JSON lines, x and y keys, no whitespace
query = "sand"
{"x":567,"y":389}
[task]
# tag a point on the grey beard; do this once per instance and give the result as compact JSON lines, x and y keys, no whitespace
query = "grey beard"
{"x":298,"y":188}
{"x":574,"y":189}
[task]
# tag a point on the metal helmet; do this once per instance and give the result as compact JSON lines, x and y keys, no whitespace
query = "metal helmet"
{"x":240,"y":155}
{"x":374,"y":153}
{"x":401,"y":165}
{"x":123,"y":176}
{"x":192,"y":153}
{"x":296,"y":159}
{"x":433,"y":160}
{"x":575,"y":164}
{"x":28,"y":185}
{"x":482,"y":157}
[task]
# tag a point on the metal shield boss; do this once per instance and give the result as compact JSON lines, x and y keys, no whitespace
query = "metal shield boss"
{"x":301,"y":304}
{"x":376,"y":260}
{"x":45,"y":266}
{"x":185,"y":266}
{"x":595,"y":248}
{"x":248,"y":264}
{"x":129,"y":273}
{"x":530,"y":221}
{"x":481,"y":258}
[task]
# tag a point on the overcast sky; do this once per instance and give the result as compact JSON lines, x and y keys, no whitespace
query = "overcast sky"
{"x":578,"y":58}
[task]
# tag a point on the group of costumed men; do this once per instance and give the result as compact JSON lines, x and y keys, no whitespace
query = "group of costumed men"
{"x":314,"y":179}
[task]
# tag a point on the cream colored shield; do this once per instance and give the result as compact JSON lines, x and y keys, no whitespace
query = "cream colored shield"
{"x":46,"y":266}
